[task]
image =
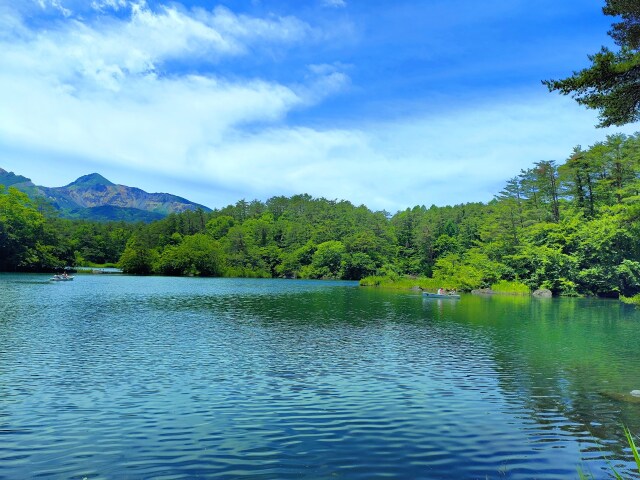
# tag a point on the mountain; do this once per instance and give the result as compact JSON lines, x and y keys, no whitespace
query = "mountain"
{"x":93,"y":197}
{"x":10,"y":179}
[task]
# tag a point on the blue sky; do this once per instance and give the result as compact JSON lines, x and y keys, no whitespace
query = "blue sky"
{"x":390,"y":104}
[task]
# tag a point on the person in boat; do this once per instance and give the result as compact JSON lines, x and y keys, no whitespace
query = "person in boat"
{"x":441,"y":291}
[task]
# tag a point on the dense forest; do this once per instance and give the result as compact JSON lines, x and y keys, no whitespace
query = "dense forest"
{"x":572,"y":228}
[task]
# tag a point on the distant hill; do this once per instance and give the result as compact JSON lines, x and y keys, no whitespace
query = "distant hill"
{"x":93,"y":197}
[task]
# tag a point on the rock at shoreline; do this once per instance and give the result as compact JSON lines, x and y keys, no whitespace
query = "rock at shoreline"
{"x":482,"y":291}
{"x":543,"y":293}
{"x":623,"y":397}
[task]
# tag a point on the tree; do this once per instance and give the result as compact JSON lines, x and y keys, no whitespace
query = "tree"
{"x":204,"y":255}
{"x":293,"y":262}
{"x":604,"y":248}
{"x":23,"y":238}
{"x":218,"y":227}
{"x":138,"y":257}
{"x":577,"y":175}
{"x":327,"y":261}
{"x":611,"y":84}
{"x":358,"y":265}
{"x":547,"y":172}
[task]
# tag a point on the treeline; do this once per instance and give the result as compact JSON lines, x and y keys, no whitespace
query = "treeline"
{"x":572,"y":228}
{"x":297,"y":237}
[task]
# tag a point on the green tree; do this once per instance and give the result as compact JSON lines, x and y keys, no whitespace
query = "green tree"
{"x":327,"y":261}
{"x":578,"y":177}
{"x":293,"y":262}
{"x":204,"y":255}
{"x":138,"y":256}
{"x":601,"y":248}
{"x":610,"y":84}
{"x":24,"y":241}
{"x":358,"y":265}
{"x":547,"y":174}
{"x":219,"y":226}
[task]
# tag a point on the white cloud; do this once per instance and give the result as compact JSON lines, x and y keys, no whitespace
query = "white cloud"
{"x":464,"y":156}
{"x":116,"y":5}
{"x":98,"y":93}
{"x":323,"y":80}
{"x":334,"y":3}
{"x":106,"y":54}
{"x":56,"y":5}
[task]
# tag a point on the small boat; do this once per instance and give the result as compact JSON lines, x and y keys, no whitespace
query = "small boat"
{"x":60,"y":278}
{"x":441,"y":295}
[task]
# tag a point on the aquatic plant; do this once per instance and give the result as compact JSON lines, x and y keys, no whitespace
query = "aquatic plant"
{"x":634,"y":450}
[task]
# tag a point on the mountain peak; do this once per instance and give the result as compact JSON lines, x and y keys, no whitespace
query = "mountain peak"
{"x":96,"y":198}
{"x":9,"y":178}
{"x":91,"y":179}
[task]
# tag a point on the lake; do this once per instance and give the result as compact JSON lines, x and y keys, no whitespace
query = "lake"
{"x":114,"y":376}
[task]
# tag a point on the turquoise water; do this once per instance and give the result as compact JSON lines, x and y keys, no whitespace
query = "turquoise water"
{"x":149,"y":377}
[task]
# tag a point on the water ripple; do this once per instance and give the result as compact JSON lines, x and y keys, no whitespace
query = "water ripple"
{"x":125,"y":377}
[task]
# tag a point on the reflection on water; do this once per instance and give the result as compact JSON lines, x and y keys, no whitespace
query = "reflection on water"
{"x":115,"y":376}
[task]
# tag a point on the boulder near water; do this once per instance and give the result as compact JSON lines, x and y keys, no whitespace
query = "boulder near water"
{"x":482,"y":291}
{"x":543,"y":293}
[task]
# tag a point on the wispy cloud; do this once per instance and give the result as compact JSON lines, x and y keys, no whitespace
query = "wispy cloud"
{"x":107,"y":53}
{"x":100,"y":90}
{"x":464,"y":156}
{"x":116,"y":5}
{"x":55,"y":5}
{"x":334,"y":3}
{"x":104,"y":91}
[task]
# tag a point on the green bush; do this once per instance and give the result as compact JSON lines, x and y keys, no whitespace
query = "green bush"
{"x":510,"y":287}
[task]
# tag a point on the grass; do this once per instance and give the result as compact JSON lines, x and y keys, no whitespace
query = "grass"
{"x":511,"y":288}
{"x":98,"y":265}
{"x":403,"y":283}
{"x":634,"y":449}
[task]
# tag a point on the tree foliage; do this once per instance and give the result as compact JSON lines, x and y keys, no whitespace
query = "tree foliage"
{"x":611,"y":84}
{"x":26,"y":242}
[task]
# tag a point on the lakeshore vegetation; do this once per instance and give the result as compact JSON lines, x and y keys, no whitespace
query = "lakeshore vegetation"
{"x":569,"y":227}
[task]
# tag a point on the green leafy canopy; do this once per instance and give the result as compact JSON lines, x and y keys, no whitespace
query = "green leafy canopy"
{"x":611,"y":84}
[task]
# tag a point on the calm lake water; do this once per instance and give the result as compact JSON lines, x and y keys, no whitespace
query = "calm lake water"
{"x":147,"y":377}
